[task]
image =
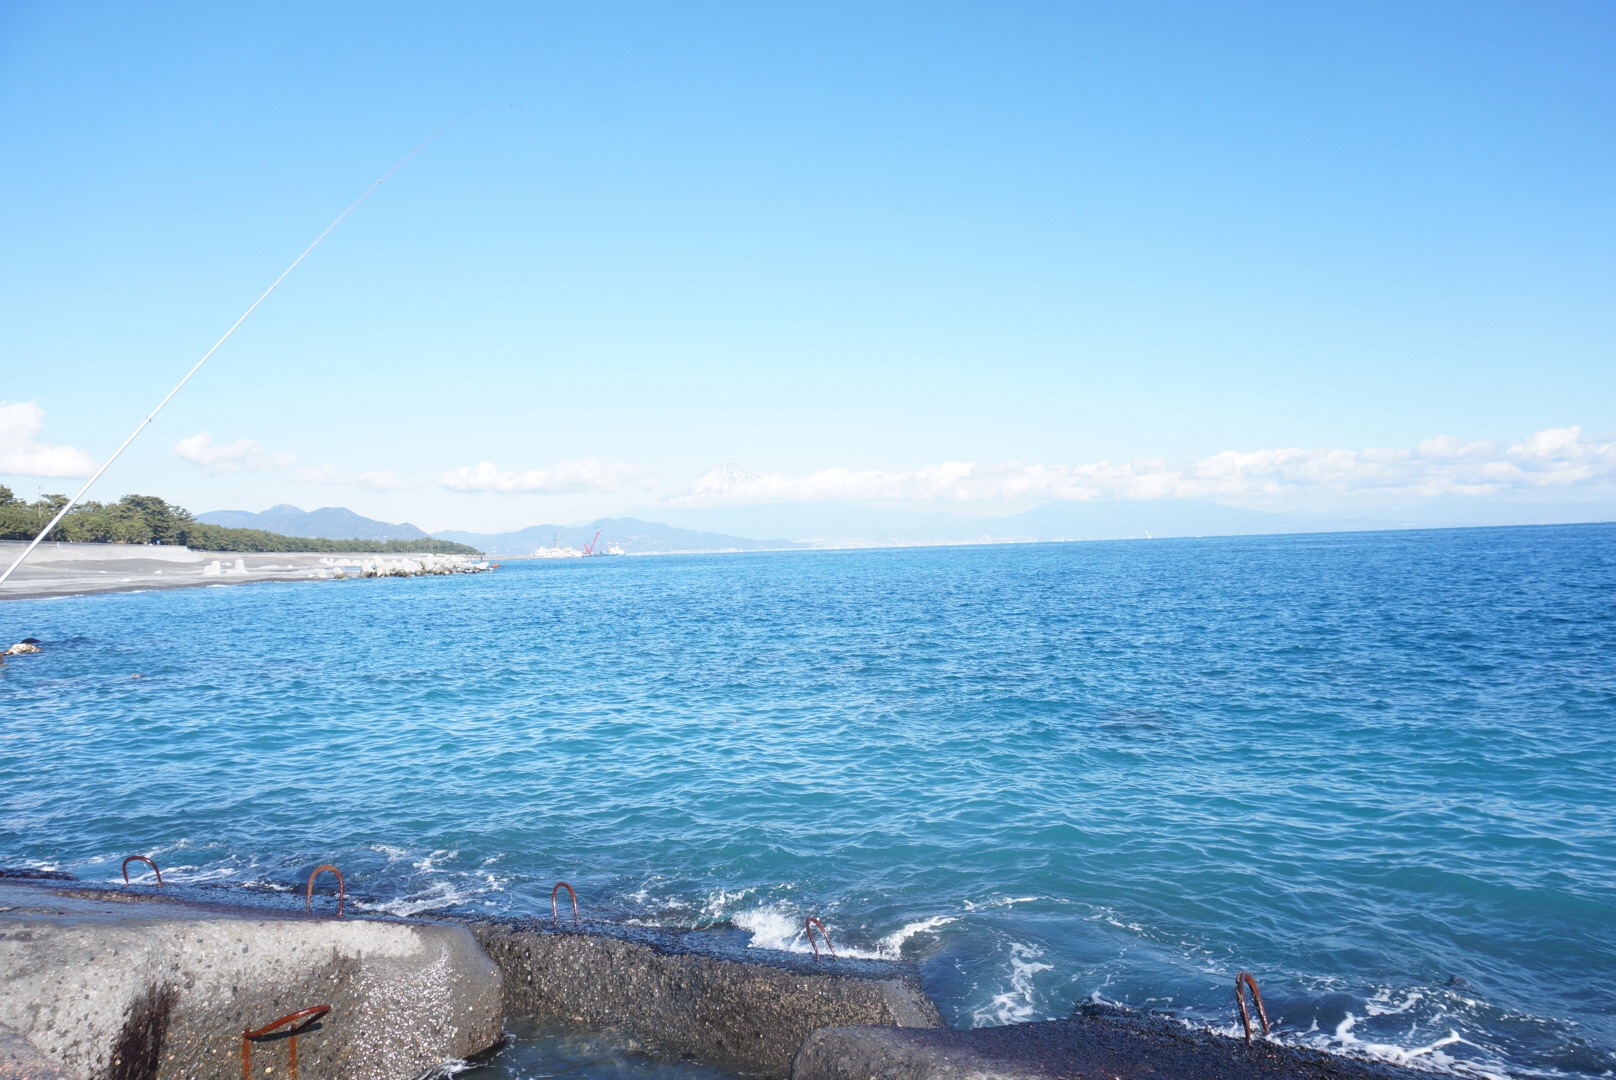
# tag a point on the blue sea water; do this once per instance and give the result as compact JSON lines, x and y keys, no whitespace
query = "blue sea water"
{"x":1374,"y":769}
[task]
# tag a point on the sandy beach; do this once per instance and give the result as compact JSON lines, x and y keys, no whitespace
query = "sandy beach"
{"x":77,"y":569}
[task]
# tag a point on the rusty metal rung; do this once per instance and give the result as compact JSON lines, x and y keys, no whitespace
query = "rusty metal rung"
{"x":1240,"y":997}
{"x":808,"y":928}
{"x":342,"y":889}
{"x":555,"y":910}
{"x":300,"y":1021}
{"x":148,"y":862}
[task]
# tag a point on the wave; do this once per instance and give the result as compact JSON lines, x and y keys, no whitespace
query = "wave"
{"x":435,"y":897}
{"x":778,"y":926}
{"x":1000,"y":902}
{"x":1019,"y":1003}
{"x":891,"y":946}
{"x":1414,"y":1048}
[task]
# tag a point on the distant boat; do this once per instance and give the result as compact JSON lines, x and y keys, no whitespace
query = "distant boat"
{"x":556,"y":551}
{"x":592,"y":549}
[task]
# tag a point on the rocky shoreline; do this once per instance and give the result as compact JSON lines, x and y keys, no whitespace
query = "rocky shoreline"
{"x":146,"y":983}
{"x":55,"y":570}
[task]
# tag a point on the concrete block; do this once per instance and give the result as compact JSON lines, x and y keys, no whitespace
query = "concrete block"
{"x":684,"y":993}
{"x":112,"y":985}
{"x":1102,"y":1044}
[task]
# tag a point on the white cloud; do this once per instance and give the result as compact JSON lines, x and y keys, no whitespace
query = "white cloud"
{"x":376,"y":480}
{"x":1552,"y":458}
{"x":585,"y":474}
{"x":243,"y":455}
{"x":246,"y":455}
{"x":21,"y":452}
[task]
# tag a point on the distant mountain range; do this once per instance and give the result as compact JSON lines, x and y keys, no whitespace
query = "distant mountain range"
{"x":762,"y":528}
{"x":774,"y":527}
{"x":752,"y":528}
{"x":631,"y":534}
{"x":331,"y":522}
{"x":839,"y":525}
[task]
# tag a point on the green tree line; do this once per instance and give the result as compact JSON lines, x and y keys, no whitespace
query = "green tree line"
{"x":146,"y":519}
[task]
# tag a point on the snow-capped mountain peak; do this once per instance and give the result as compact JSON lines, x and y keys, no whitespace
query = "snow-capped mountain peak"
{"x":723,"y":478}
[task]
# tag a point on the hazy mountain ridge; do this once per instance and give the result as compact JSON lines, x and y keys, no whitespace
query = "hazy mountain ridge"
{"x":335,"y":522}
{"x":841,"y":525}
{"x":634,"y":536}
{"x":779,"y":526}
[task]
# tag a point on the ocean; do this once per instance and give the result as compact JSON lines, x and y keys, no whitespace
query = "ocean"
{"x":1373,"y":769}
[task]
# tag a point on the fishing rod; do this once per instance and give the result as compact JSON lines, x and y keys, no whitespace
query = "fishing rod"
{"x":422,"y":145}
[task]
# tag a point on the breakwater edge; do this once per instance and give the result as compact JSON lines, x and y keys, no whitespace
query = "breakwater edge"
{"x":55,"y":570}
{"x":155,"y":983}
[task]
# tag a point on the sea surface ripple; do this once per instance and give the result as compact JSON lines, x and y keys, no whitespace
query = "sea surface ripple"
{"x":1375,"y":769}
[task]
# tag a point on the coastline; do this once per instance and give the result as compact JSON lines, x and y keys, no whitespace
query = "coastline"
{"x":74,"y":569}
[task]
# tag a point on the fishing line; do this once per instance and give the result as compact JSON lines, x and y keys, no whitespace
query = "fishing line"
{"x":422,"y":145}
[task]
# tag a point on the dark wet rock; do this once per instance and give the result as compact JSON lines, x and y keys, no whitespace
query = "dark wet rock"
{"x":27,"y":873}
{"x":686,"y":993}
{"x":1104,"y":1044}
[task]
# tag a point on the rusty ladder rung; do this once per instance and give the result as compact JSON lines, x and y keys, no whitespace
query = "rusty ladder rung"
{"x":1240,"y":998}
{"x":808,"y":928}
{"x":301,"y":1019}
{"x":555,"y":910}
{"x":148,"y":862}
{"x":342,"y":889}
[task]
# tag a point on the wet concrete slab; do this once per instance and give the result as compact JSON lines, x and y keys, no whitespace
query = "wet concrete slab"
{"x":1097,"y":1044}
{"x":695,"y":994}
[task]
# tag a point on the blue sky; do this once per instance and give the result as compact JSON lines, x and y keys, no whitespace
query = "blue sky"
{"x":966,"y":257}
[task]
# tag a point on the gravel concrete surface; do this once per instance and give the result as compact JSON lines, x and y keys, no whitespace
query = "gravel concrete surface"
{"x":135,"y":985}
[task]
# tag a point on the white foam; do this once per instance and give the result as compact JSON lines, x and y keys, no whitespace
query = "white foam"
{"x":892,"y":945}
{"x":644,"y":898}
{"x":440,"y":894}
{"x":1017,"y":1004}
{"x":1429,"y":1055}
{"x":777,"y":926}
{"x":771,"y":928}
{"x":717,"y":903}
{"x":1382,"y":1005}
{"x":1002,"y":901}
{"x":426,"y":863}
{"x":192,"y":875}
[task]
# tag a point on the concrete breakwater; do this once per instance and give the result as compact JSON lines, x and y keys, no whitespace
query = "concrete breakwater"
{"x":141,"y":984}
{"x":78,"y":569}
{"x":412,"y":566}
{"x":1098,"y":1043}
{"x":100,"y":983}
{"x":741,"y":1008}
